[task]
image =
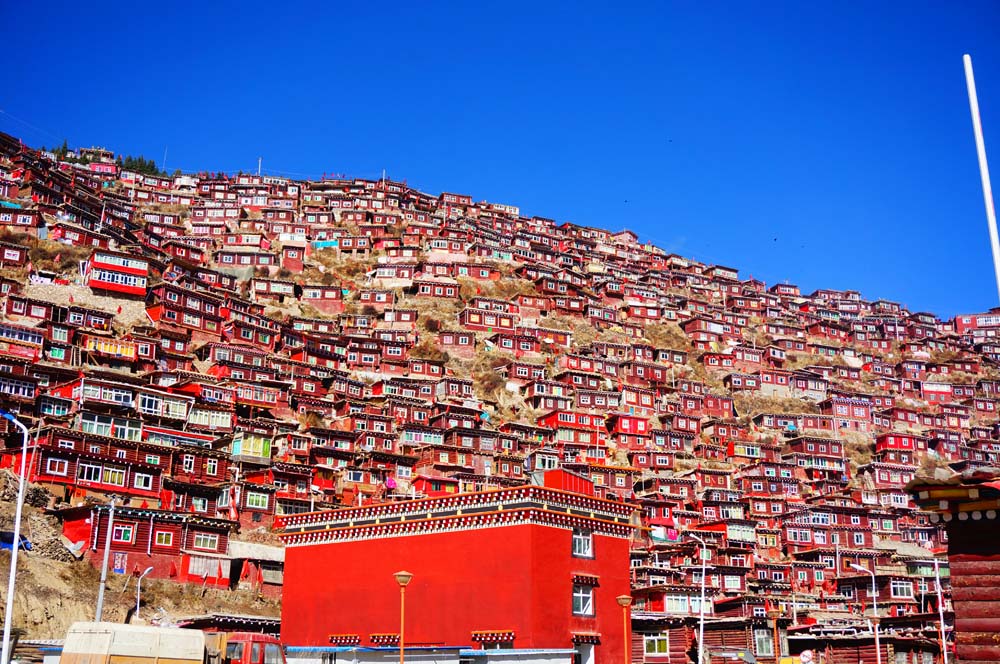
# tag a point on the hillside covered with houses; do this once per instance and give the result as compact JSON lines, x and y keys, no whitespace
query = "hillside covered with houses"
{"x":222,"y":351}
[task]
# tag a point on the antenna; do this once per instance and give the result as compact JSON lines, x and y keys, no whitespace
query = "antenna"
{"x":984,"y":171}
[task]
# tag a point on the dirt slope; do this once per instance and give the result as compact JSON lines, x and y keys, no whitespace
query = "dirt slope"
{"x":53,"y":589}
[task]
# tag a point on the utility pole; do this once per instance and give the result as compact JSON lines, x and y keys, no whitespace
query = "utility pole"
{"x":259,"y":159}
{"x":163,"y":167}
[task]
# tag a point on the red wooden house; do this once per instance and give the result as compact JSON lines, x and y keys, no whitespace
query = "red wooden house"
{"x":114,"y":272}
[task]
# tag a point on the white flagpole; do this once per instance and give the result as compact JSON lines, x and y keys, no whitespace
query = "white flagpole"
{"x":984,"y":171}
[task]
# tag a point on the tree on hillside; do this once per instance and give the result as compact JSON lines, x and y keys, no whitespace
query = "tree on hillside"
{"x":139,"y":165}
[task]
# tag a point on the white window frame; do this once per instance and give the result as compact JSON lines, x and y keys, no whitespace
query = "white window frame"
{"x":583,"y":600}
{"x":583,"y":543}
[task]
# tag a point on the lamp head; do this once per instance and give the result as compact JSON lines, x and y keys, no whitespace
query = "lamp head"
{"x":403,"y":578}
{"x":861,"y":569}
{"x":624,"y":600}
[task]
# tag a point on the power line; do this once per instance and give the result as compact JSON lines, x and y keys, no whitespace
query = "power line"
{"x":28,"y":124}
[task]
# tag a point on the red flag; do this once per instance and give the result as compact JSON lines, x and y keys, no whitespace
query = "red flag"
{"x":245,"y":572}
{"x":71,"y":300}
{"x":219,"y":575}
{"x":260,"y":576}
{"x":173,"y":569}
{"x":57,"y":258}
{"x":135,"y":570}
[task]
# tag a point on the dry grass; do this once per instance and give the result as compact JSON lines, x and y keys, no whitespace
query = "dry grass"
{"x":667,"y":335}
{"x":858,"y":448}
{"x":751,"y":405}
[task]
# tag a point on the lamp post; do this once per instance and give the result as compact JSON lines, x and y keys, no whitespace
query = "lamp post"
{"x":701,"y":605}
{"x":402,"y":578}
{"x":16,"y":542}
{"x":878,"y":648}
{"x":138,"y":588}
{"x":773,"y":615}
{"x":940,"y":603}
{"x":625,"y":601}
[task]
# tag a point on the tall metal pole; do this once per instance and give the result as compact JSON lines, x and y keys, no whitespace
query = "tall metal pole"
{"x":984,"y":171}
{"x":104,"y":565}
{"x":402,"y":578}
{"x":402,"y":621}
{"x":875,"y":618}
{"x":16,"y":543}
{"x":625,"y":631}
{"x":701,"y":606}
{"x":940,"y":603}
{"x":625,"y":601}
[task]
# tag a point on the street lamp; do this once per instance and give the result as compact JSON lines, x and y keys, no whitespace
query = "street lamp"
{"x":16,"y":542}
{"x":138,"y":588}
{"x":701,"y":605}
{"x":625,"y":601}
{"x":878,"y":649}
{"x":402,"y":578}
{"x":774,"y":614}
{"x":940,"y":603}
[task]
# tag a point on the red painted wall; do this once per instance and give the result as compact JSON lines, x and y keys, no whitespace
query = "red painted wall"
{"x":506,"y":578}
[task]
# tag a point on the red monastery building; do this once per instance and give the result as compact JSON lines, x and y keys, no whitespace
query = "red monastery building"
{"x":528,"y":567}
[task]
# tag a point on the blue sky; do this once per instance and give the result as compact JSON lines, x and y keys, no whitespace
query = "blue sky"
{"x":827,"y":144}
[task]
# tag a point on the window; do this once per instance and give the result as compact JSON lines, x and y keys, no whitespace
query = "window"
{"x":257,"y":500}
{"x":656,"y":645}
{"x":87,"y":472}
{"x":763,"y":642}
{"x":57,"y":467}
{"x":901,"y":588}
{"x":206,"y":541}
{"x":272,"y":654}
{"x":123,"y":533}
{"x":112,"y":475}
{"x":187,"y":463}
{"x":583,"y":544}
{"x":143,"y":481}
{"x":211,"y":466}
{"x":583,"y":600}
{"x":199,"y":504}
{"x":164,"y":538}
{"x":859,"y":539}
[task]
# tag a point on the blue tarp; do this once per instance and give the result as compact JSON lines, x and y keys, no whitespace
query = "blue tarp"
{"x":7,"y":541}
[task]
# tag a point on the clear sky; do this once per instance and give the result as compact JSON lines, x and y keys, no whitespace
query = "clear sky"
{"x":824,"y":143}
